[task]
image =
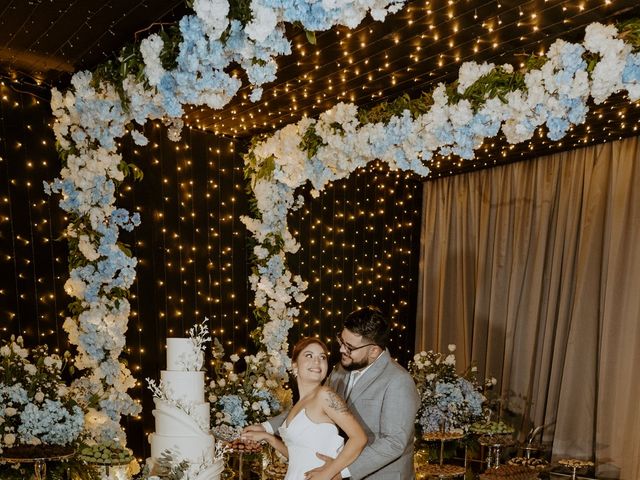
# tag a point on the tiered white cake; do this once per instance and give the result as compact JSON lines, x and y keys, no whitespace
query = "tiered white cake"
{"x":182,"y":415}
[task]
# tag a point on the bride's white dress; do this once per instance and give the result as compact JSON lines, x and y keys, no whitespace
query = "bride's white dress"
{"x":303,"y":439}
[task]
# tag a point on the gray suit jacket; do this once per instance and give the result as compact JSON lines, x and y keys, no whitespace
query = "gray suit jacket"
{"x":385,"y":401}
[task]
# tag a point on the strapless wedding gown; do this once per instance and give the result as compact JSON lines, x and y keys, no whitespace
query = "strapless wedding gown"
{"x":303,"y":439}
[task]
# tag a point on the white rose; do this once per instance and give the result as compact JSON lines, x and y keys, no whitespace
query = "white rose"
{"x":31,"y":369}
{"x":255,"y":406}
{"x":9,"y":438}
{"x":10,"y":411}
{"x":452,"y":347}
{"x":5,"y":351}
{"x":222,"y":382}
{"x":39,"y":397}
{"x":234,"y":358}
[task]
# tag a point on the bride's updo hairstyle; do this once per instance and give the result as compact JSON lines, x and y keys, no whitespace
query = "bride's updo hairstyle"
{"x":304,"y":343}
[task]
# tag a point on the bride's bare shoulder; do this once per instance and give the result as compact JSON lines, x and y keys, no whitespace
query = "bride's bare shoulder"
{"x":330,"y":399}
{"x":326,"y":390}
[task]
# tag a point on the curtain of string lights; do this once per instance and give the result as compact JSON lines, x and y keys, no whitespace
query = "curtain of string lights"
{"x":359,"y":245}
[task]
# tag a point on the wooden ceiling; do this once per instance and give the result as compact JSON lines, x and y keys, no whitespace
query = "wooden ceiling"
{"x":47,"y":40}
{"x":412,"y":51}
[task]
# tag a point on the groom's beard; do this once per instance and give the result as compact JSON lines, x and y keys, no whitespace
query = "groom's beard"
{"x":353,"y":364}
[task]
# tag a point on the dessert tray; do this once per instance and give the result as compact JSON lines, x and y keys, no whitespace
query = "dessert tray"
{"x":509,"y":472}
{"x":434,"y":470}
{"x":538,"y":464}
{"x":442,"y":436}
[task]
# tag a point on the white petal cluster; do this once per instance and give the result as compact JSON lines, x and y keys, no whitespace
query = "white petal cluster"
{"x":214,"y":15}
{"x":606,"y":76}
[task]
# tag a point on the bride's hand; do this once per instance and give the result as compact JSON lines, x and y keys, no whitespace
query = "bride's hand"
{"x":253,"y":428}
{"x":255,"y":436}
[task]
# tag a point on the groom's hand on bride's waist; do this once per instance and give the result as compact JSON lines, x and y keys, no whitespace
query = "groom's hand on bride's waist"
{"x":319,"y":472}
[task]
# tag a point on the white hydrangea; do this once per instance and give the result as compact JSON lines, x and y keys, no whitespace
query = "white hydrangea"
{"x":213,"y":14}
{"x":263,"y":22}
{"x":470,"y":72}
{"x":150,"y":48}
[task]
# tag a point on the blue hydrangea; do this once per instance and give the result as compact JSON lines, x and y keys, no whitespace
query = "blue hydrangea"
{"x":231,"y":406}
{"x":571,"y":60}
{"x":631,"y":72}
{"x":558,"y":127}
{"x":268,"y":400}
{"x":576,"y":109}
{"x":13,"y":394}
{"x":51,"y":423}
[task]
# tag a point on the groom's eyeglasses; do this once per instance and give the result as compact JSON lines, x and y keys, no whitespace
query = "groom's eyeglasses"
{"x":350,"y":348}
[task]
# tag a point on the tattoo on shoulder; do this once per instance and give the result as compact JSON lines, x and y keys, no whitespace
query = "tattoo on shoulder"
{"x":336,"y":402}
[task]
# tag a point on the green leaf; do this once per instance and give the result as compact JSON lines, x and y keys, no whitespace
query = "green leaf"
{"x":592,"y":60}
{"x":172,"y":37}
{"x":535,"y":62}
{"x":124,"y":167}
{"x":240,"y":10}
{"x":629,"y":31}
{"x":311,"y":142}
{"x":311,"y":36}
{"x":125,"y":248}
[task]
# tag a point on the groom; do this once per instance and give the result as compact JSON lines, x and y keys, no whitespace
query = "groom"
{"x":379,"y":392}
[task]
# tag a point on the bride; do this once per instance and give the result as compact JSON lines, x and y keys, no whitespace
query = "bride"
{"x":312,"y":424}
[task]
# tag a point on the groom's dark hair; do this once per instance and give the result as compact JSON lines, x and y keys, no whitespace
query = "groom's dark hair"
{"x":370,"y":323}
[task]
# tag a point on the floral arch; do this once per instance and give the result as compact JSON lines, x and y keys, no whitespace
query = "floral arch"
{"x":149,"y":83}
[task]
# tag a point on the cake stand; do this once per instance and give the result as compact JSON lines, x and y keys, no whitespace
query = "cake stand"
{"x":238,"y":467}
{"x":494,"y":444}
{"x":575,"y":464}
{"x":112,"y":471}
{"x":273,"y":468}
{"x":441,"y":470}
{"x":39,"y":463}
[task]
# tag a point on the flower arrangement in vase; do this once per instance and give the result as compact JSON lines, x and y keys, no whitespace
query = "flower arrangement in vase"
{"x":449,"y":402}
{"x":241,"y":398}
{"x":38,"y":414}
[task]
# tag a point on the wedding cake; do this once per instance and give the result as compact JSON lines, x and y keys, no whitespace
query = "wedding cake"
{"x":182,"y":415}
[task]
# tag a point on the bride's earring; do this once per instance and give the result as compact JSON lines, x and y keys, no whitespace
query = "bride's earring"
{"x":295,"y":372}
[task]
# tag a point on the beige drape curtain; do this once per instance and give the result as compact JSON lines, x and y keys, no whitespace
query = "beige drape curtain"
{"x":533,"y":270}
